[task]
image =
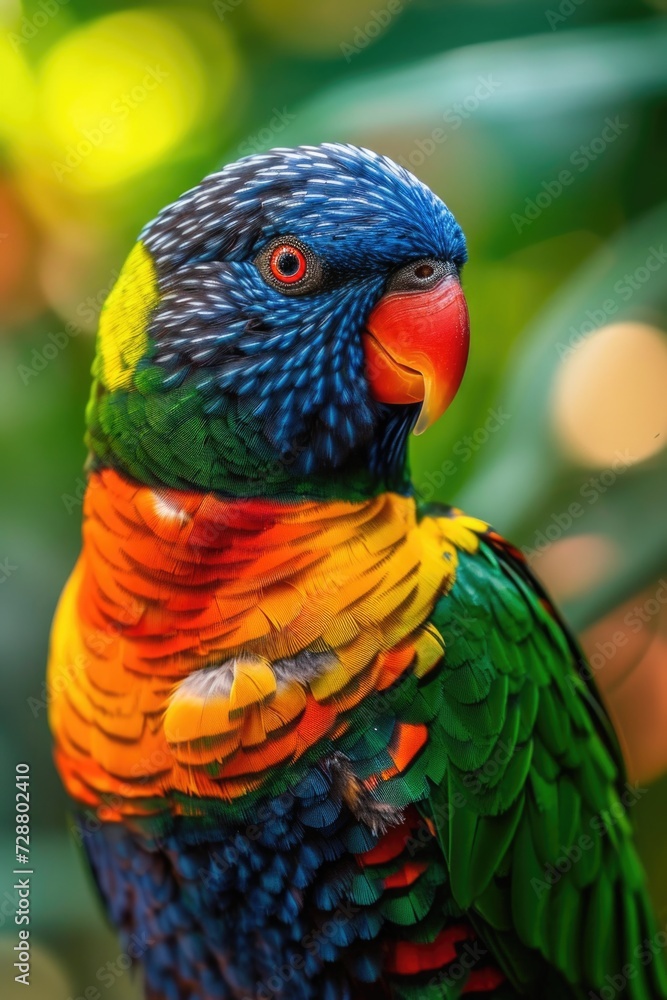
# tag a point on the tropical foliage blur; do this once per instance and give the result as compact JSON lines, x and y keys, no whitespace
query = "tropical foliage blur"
{"x":543,"y":127}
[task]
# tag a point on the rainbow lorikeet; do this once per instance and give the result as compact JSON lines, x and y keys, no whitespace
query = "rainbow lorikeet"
{"x":323,"y":741}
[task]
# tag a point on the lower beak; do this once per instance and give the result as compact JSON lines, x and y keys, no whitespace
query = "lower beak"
{"x":416,"y":347}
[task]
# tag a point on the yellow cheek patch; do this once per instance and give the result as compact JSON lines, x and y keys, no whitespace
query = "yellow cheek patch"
{"x":122,"y":338}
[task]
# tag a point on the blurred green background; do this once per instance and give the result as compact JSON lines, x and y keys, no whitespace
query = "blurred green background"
{"x":542,"y":125}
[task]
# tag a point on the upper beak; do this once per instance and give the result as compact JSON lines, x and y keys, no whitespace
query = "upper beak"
{"x":416,"y":347}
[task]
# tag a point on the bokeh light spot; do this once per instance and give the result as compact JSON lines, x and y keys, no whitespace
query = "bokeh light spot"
{"x":143,"y":91}
{"x":18,"y":89}
{"x":609,"y":396}
{"x":48,"y":978}
{"x":18,"y":296}
{"x":575,"y":565}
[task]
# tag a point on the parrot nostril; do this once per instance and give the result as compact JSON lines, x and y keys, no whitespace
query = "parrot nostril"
{"x":419,"y":275}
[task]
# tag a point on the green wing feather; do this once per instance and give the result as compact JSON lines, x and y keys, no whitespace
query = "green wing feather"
{"x":530,"y":813}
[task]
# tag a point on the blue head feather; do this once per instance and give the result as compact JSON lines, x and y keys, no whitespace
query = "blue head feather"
{"x":291,"y":368}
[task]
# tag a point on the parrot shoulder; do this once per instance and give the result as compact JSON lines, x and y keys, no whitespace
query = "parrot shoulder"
{"x":531,"y":812}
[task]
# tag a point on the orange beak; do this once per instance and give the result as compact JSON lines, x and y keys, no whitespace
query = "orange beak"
{"x":416,"y":347}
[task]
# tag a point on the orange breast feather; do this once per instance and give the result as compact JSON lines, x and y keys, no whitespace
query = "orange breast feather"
{"x":179,"y":645}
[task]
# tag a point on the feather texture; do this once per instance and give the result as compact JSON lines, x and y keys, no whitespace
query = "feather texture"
{"x":323,"y":744}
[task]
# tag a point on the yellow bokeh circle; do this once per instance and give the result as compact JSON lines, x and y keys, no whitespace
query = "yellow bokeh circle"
{"x":610,"y":396}
{"x":116,"y":94}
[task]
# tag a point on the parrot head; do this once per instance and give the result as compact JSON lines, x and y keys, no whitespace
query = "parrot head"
{"x":281,"y":329}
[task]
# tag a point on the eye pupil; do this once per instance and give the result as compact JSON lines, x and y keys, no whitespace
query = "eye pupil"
{"x":424,"y":271}
{"x":288,"y":263}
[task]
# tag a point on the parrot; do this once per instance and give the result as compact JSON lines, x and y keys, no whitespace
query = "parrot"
{"x":323,"y":740}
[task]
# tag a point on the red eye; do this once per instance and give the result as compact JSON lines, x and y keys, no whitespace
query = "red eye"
{"x":287,"y":263}
{"x":290,"y":266}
